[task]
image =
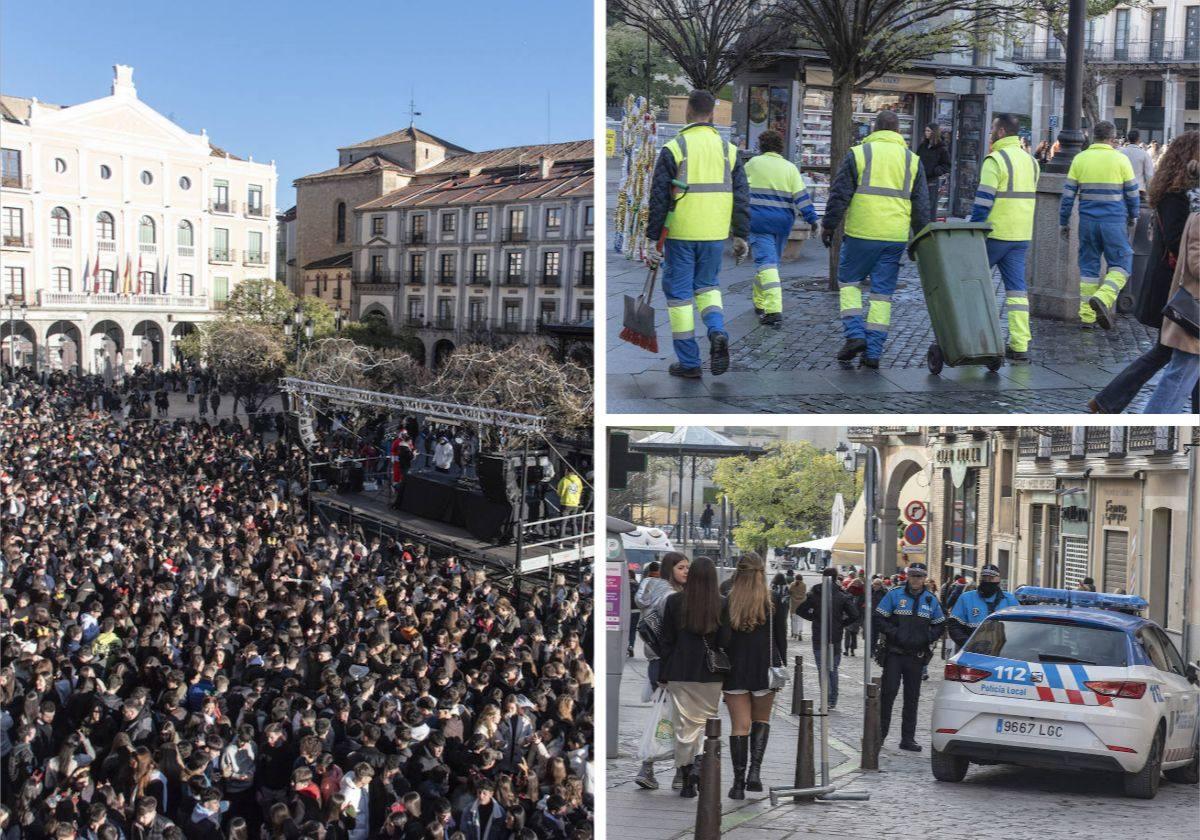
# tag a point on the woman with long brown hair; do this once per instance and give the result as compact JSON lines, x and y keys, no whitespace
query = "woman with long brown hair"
{"x":689,"y":650}
{"x":754,"y":634}
{"x":1168,"y":195}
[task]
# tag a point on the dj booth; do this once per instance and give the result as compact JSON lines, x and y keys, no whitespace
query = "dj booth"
{"x":432,"y":496}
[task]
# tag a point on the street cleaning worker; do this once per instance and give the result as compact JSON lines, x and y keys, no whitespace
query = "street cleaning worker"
{"x":974,"y":605}
{"x":883,"y":184}
{"x":570,"y":494}
{"x":1103,"y":180}
{"x":777,"y":194}
{"x":1006,"y":197}
{"x":700,"y":195}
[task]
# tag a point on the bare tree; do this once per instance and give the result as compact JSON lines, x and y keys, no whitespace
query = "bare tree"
{"x":249,"y":355}
{"x":867,"y":39}
{"x":341,"y":361}
{"x":710,"y":40}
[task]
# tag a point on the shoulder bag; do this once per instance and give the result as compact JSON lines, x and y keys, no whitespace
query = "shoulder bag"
{"x":715,"y":659}
{"x":779,"y":671}
{"x":1184,"y":310}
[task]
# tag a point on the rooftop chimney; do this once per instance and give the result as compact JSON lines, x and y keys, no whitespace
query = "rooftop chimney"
{"x":123,"y":81}
{"x":545,"y":164}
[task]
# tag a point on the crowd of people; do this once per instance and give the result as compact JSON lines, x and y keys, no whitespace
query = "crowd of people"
{"x":188,"y":654}
{"x":706,"y":641}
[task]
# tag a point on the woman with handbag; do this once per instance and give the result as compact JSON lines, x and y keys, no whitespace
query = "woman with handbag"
{"x":693,"y":664}
{"x":651,"y":598}
{"x":1181,"y":327}
{"x":1169,"y":195}
{"x":754,"y":634}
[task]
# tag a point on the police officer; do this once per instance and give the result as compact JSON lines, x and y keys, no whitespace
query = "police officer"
{"x":1006,"y":197}
{"x":882,"y":184}
{"x":700,"y":195}
{"x":1103,"y":181}
{"x":777,"y":194}
{"x":973,"y":606}
{"x":910,"y":620}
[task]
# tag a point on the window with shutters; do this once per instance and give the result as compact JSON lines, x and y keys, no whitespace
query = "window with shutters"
{"x":1116,"y":560}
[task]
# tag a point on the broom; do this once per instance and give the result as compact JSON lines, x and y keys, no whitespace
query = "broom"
{"x":639,"y":314}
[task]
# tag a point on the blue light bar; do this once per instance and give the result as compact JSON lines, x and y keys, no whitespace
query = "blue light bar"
{"x":1030,"y":595}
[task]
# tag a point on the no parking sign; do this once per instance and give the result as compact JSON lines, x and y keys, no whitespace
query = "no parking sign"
{"x":914,"y":534}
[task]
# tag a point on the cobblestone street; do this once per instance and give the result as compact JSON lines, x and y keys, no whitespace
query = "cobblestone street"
{"x":993,"y":803}
{"x":793,"y":370}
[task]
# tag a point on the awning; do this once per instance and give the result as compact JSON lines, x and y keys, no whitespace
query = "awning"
{"x":940,"y":69}
{"x":823,"y":544}
{"x":848,"y":545}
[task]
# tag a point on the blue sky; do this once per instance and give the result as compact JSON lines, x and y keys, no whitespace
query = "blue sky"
{"x":292,"y":81}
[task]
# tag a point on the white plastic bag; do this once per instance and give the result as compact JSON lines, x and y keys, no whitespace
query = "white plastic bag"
{"x":658,"y":736}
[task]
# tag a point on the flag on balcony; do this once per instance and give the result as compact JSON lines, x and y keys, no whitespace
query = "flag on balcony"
{"x":166,"y":272}
{"x":96,"y":276}
{"x":139,"y":273}
{"x":127,"y":282}
{"x":87,"y":265}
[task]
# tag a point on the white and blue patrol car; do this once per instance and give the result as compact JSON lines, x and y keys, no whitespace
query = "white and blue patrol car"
{"x":1070,"y":681}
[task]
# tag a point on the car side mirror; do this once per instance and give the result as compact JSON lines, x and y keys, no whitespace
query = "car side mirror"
{"x":1193,"y":676}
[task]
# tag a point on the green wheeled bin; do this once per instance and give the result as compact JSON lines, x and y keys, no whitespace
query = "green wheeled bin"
{"x":952,"y":260}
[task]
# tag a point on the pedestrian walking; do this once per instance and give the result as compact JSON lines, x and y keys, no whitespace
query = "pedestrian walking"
{"x":857,"y":591}
{"x":754,"y":634}
{"x":842,"y":612}
{"x":880,"y":192}
{"x":192,"y":385}
{"x":971,"y":608}
{"x":1005,"y":198}
{"x":1182,"y":373}
{"x":1139,"y":159}
{"x":706,"y":520}
{"x":797,"y":592}
{"x":651,"y":597}
{"x":1102,"y":180}
{"x":777,"y":197}
{"x":910,"y":620}
{"x":934,"y":153}
{"x":1173,"y":194}
{"x":699,"y":196}
{"x":215,"y":399}
{"x":203,"y":403}
{"x":693,"y":666}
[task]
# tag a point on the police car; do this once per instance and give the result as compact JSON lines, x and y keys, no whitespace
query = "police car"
{"x":1070,"y":681}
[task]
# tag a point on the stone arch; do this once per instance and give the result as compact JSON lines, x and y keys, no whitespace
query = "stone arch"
{"x":180,"y":331}
{"x":64,"y":346}
{"x":376,"y":311}
{"x":418,"y":351}
{"x":898,"y":474}
{"x":18,"y":343}
{"x":441,"y":351}
{"x":106,"y":349}
{"x":147,"y":346}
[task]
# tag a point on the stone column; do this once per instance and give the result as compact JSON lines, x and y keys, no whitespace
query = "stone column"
{"x":1052,"y":272}
{"x":1104,"y":96}
{"x":1173,"y":106}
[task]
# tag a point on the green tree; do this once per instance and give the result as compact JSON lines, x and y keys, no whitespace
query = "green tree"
{"x":783,"y":497}
{"x":626,"y":68}
{"x":375,"y":332}
{"x":265,"y":301}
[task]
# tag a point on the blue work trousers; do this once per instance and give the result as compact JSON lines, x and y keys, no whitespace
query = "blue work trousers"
{"x":872,"y":264}
{"x":689,"y":279}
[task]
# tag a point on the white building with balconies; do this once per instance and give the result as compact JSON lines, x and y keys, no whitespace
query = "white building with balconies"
{"x":121,"y":231}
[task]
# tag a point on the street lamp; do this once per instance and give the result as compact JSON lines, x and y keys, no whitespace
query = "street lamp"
{"x":1070,"y":138}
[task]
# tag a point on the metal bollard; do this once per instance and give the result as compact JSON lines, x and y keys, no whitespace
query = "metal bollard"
{"x":805,"y":773}
{"x":798,"y":685}
{"x":708,"y":809}
{"x":870,"y":737}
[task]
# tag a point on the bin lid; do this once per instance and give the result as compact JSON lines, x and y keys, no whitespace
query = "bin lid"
{"x":935,"y":227}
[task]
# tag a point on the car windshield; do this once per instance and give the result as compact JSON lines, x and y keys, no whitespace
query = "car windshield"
{"x":1047,"y":640}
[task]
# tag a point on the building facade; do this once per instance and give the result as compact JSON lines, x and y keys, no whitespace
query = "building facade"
{"x":1145,"y":57}
{"x":479,"y":246}
{"x":121,"y":231}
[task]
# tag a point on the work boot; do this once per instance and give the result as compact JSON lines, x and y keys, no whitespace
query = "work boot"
{"x":758,"y":310}
{"x":739,"y":750}
{"x":853,"y":347}
{"x":911,"y":746}
{"x":759,"y":733}
{"x":688,"y":789}
{"x":680,"y":775}
{"x":718,"y":352}
{"x":868,"y":362}
{"x":1104,"y":317}
{"x":1016,"y":357}
{"x":684,"y":372}
{"x":774,"y":320}
{"x":645,"y":777}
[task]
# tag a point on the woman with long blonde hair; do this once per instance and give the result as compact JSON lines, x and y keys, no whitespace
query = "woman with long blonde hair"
{"x":754,"y":634}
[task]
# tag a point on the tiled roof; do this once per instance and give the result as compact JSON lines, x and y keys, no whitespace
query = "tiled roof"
{"x":17,"y":108}
{"x":407,"y":134}
{"x":339,"y":261}
{"x":371,"y":163}
{"x":217,"y":151}
{"x":577,"y":150}
{"x":566,"y":180}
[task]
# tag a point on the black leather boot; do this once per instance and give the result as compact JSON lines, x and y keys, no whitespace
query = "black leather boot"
{"x":759,"y":732}
{"x":739,"y":751}
{"x":680,"y":774}
{"x":688,"y":791}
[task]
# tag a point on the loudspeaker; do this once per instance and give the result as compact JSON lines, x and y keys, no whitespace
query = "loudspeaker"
{"x":496,"y":479}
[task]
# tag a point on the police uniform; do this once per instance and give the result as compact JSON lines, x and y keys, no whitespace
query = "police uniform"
{"x":698,"y":220}
{"x":885,"y":186}
{"x":1102,"y":180}
{"x":971,"y":609}
{"x":1006,"y":197}
{"x":909,"y":624}
{"x":777,"y":195}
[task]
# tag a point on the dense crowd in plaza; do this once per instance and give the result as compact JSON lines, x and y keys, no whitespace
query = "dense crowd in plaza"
{"x":187,"y":654}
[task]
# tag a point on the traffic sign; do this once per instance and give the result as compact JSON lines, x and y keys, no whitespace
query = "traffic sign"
{"x":914,"y":534}
{"x":914,"y":511}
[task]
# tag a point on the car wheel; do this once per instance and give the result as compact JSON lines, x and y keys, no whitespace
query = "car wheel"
{"x":948,"y":768}
{"x":1144,"y":784}
{"x":1188,"y":774}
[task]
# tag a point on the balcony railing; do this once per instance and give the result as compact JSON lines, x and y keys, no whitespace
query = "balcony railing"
{"x":444,"y":322}
{"x":1141,"y":438}
{"x":516,"y":234}
{"x":447,"y":279}
{"x":107,"y":245}
{"x":378,"y":278}
{"x":481,"y":278}
{"x":415,"y":278}
{"x":416,"y":237}
{"x":1097,"y":52}
{"x":259,"y":212}
{"x":1060,"y":442}
{"x":514,"y":278}
{"x":221,"y":206}
{"x":222,"y":255}
{"x":63,"y":242}
{"x":18,"y":240}
{"x":551,"y":280}
{"x":186,"y":251}
{"x":1096,"y":439}
{"x":16,"y":182}
{"x":414,"y":321}
{"x":147,"y":247}
{"x":254,"y":259}
{"x":585,"y":279}
{"x":75,"y":300}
